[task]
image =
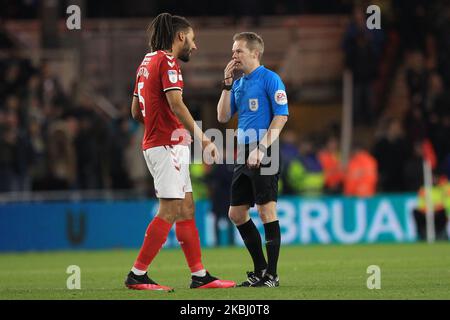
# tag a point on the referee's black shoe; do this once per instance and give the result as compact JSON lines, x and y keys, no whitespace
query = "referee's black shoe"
{"x":252,"y":278}
{"x":267,"y":281}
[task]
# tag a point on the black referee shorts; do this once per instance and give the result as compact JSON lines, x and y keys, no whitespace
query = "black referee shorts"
{"x":249,"y":186}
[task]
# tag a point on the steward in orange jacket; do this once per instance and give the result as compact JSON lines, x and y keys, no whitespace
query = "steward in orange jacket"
{"x":361,"y":176}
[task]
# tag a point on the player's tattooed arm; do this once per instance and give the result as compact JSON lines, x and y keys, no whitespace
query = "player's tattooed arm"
{"x":136,"y":112}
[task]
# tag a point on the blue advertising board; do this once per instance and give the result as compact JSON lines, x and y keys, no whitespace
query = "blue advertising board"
{"x":108,"y":224}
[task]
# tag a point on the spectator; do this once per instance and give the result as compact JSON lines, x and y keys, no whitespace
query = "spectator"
{"x":414,"y":125}
{"x":438,"y":193}
{"x":11,"y":83}
{"x":413,"y":169}
{"x":61,"y":156}
{"x":361,"y":176}
{"x":6,"y":154}
{"x":304,"y":173}
{"x":329,"y":159}
{"x":417,"y":80}
{"x":362,"y":48}
{"x":118,"y":168}
{"x":87,"y":155}
{"x":288,"y":151}
{"x":438,"y":108}
{"x":391,"y":151}
{"x":6,"y":42}
{"x":51,"y":89}
{"x":38,"y":168}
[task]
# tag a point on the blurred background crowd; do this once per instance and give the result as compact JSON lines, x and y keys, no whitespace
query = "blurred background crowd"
{"x":54,"y":139}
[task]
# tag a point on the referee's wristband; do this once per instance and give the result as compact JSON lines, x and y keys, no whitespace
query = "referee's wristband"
{"x":226,"y":87}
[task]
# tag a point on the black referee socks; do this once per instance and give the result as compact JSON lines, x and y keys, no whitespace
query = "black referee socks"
{"x":252,"y":240}
{"x":273,"y":241}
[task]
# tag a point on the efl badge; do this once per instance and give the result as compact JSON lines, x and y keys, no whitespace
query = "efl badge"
{"x":253,"y":104}
{"x":280,"y":97}
{"x":173,"y":76}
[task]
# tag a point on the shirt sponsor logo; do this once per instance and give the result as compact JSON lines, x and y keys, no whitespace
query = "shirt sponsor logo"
{"x":280,"y":97}
{"x":253,"y":104}
{"x":173,"y":76}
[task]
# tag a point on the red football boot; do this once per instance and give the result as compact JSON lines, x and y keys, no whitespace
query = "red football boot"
{"x":143,"y":282}
{"x":210,"y":282}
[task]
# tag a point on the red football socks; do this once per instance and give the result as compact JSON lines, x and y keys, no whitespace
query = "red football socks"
{"x":155,"y":236}
{"x":187,"y":235}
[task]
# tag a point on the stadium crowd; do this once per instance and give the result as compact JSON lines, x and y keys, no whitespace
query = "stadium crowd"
{"x":51,"y":140}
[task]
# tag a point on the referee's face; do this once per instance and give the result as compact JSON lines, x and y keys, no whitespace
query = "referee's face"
{"x":244,"y":59}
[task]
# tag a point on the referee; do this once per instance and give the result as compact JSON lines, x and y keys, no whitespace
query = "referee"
{"x":259,"y":98}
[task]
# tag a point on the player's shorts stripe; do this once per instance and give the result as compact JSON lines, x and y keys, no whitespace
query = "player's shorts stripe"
{"x":172,"y":88}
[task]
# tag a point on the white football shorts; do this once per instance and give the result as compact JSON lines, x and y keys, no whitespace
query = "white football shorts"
{"x":169,"y":166}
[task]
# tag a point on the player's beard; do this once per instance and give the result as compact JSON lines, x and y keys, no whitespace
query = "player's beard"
{"x":185,"y":54}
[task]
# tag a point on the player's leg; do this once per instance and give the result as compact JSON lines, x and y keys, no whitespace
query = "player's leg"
{"x":155,"y":237}
{"x":186,"y":230}
{"x":169,"y":187}
{"x":187,"y":235}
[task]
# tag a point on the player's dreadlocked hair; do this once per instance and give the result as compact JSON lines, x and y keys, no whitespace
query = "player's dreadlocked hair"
{"x":163,"y":30}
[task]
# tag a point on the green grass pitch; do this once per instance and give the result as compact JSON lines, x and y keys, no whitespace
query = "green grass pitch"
{"x":408,"y":271}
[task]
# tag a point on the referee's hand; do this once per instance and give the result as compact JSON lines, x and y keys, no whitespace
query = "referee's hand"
{"x":229,"y":72}
{"x":254,"y":159}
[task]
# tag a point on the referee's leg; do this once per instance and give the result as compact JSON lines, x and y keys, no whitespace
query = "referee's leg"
{"x":250,"y":235}
{"x":268,"y":215}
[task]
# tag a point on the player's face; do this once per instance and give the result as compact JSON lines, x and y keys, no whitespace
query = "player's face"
{"x":243,"y":56}
{"x":188,"y":46}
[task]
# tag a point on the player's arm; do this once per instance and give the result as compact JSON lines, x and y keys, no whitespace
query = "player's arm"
{"x":136,"y":110}
{"x":224,"y":105}
{"x":176,"y":103}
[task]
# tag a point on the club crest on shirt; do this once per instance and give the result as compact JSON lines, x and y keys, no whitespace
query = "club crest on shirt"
{"x":280,"y":97}
{"x":253,"y":104}
{"x":173,"y":76}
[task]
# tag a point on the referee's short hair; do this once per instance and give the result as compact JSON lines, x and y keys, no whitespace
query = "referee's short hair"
{"x":253,"y":40}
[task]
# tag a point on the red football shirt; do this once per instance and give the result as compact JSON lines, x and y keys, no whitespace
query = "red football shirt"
{"x":158,"y":73}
